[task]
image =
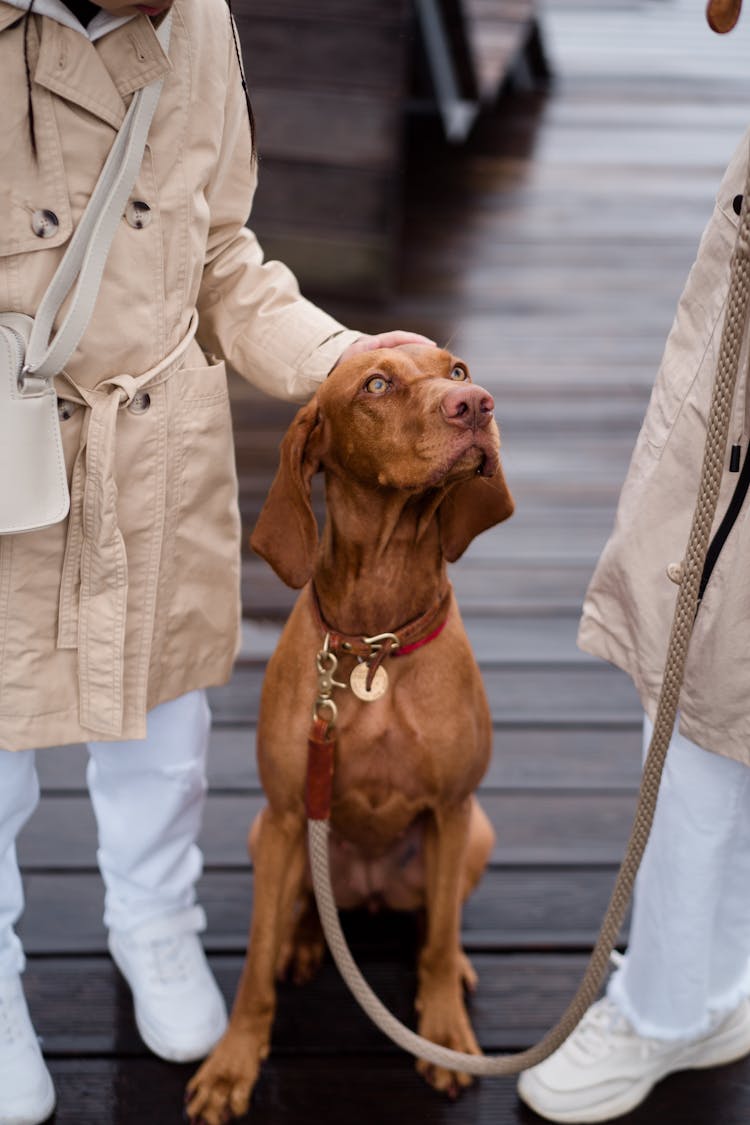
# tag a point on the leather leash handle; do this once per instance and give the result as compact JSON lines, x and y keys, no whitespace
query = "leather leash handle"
{"x":722,"y":15}
{"x":87,"y":252}
{"x":320,"y":760}
{"x":712,"y":469}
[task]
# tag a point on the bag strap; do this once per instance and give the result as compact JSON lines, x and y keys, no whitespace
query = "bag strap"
{"x":87,"y":253}
{"x":714,"y":456}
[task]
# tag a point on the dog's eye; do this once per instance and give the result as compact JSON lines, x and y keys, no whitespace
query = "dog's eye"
{"x":459,"y":373}
{"x":377,"y":385}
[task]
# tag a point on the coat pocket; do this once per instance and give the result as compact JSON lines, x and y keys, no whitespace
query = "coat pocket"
{"x":692,"y":348}
{"x":200,"y":585}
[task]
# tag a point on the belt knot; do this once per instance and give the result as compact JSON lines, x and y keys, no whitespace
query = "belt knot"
{"x":94,"y":586}
{"x":128,"y":388}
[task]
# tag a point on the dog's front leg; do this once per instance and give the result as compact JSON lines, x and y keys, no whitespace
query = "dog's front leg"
{"x":442,"y":1014}
{"x":222,"y":1087}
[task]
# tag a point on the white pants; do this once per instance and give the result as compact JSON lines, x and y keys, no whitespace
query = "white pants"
{"x":148,"y":800}
{"x":688,"y":957}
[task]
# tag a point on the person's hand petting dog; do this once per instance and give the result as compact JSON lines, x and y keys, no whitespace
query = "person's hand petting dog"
{"x":383,"y":340}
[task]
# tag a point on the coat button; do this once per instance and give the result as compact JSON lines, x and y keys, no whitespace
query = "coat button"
{"x":676,"y":572}
{"x":737,"y":204}
{"x":138,"y":214}
{"x":141,"y":402}
{"x":44,"y":223}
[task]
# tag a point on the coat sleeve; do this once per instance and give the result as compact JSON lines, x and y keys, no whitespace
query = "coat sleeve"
{"x":251,"y":311}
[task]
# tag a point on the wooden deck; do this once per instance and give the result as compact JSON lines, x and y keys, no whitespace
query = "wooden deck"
{"x":332,"y":86}
{"x":550,"y":253}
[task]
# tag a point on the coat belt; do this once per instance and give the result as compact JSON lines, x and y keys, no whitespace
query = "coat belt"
{"x":92,"y":610}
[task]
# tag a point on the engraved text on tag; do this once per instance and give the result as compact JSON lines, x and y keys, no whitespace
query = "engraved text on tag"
{"x":358,"y":680}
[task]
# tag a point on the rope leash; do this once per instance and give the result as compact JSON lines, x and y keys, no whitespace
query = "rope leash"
{"x":682,"y":626}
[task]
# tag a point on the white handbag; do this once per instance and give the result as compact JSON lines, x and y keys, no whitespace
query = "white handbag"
{"x":33,"y":482}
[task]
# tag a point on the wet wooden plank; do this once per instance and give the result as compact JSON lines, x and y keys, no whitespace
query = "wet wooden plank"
{"x":84,"y":1007}
{"x":512,"y":637}
{"x":329,"y":90}
{"x":335,"y":198}
{"x":336,"y":262}
{"x":532,"y":826}
{"x":356,"y":131}
{"x":305,"y":51}
{"x":515,"y":637}
{"x":513,"y":908}
{"x":371,"y":12}
{"x":680,"y":49}
{"x":523,"y":758}
{"x":93,"y":1091}
{"x":492,"y":588}
{"x":286,"y":1094}
{"x":587,"y":695}
{"x":551,"y":536}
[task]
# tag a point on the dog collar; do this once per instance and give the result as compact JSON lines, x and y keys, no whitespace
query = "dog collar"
{"x":403,"y":640}
{"x":370,"y":653}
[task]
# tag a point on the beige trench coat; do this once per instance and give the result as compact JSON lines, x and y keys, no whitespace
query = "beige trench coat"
{"x":135,"y":599}
{"x":629,"y":605}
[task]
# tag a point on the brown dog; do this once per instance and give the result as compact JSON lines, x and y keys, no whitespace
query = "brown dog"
{"x":410,"y":452}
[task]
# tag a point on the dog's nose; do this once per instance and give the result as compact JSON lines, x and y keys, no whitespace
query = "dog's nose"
{"x":469,"y":407}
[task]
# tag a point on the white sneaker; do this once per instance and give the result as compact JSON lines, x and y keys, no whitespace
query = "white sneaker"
{"x":179,"y":1011}
{"x":604,"y":1069}
{"x":27,"y":1096}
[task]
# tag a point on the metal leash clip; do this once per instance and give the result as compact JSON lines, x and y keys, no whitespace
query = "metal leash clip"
{"x":326,"y":663}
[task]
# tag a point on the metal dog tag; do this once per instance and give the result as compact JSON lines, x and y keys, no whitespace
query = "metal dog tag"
{"x":358,"y":680}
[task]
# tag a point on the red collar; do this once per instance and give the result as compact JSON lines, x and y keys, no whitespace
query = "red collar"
{"x":403,"y":640}
{"x":373,"y":651}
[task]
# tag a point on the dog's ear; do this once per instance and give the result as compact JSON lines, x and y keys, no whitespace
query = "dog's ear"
{"x":470,"y":508}
{"x":286,"y":534}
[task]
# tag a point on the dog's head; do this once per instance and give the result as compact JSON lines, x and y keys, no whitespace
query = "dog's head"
{"x":405,"y":419}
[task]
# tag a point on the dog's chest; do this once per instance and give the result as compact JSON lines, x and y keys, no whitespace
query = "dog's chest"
{"x":380,"y":752}
{"x":393,"y":878}
{"x":383,"y":780}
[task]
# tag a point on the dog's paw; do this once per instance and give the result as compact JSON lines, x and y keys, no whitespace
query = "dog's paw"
{"x":221,"y":1089}
{"x":451,"y":1030}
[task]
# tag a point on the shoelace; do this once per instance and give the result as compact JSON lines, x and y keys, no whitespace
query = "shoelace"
{"x":601,"y":1021}
{"x":170,"y":957}
{"x":602,"y":1025}
{"x":12,"y":1022}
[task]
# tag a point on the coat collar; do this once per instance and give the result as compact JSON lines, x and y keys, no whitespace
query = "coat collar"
{"x":8,"y":15}
{"x":102,"y":23}
{"x":97,"y":77}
